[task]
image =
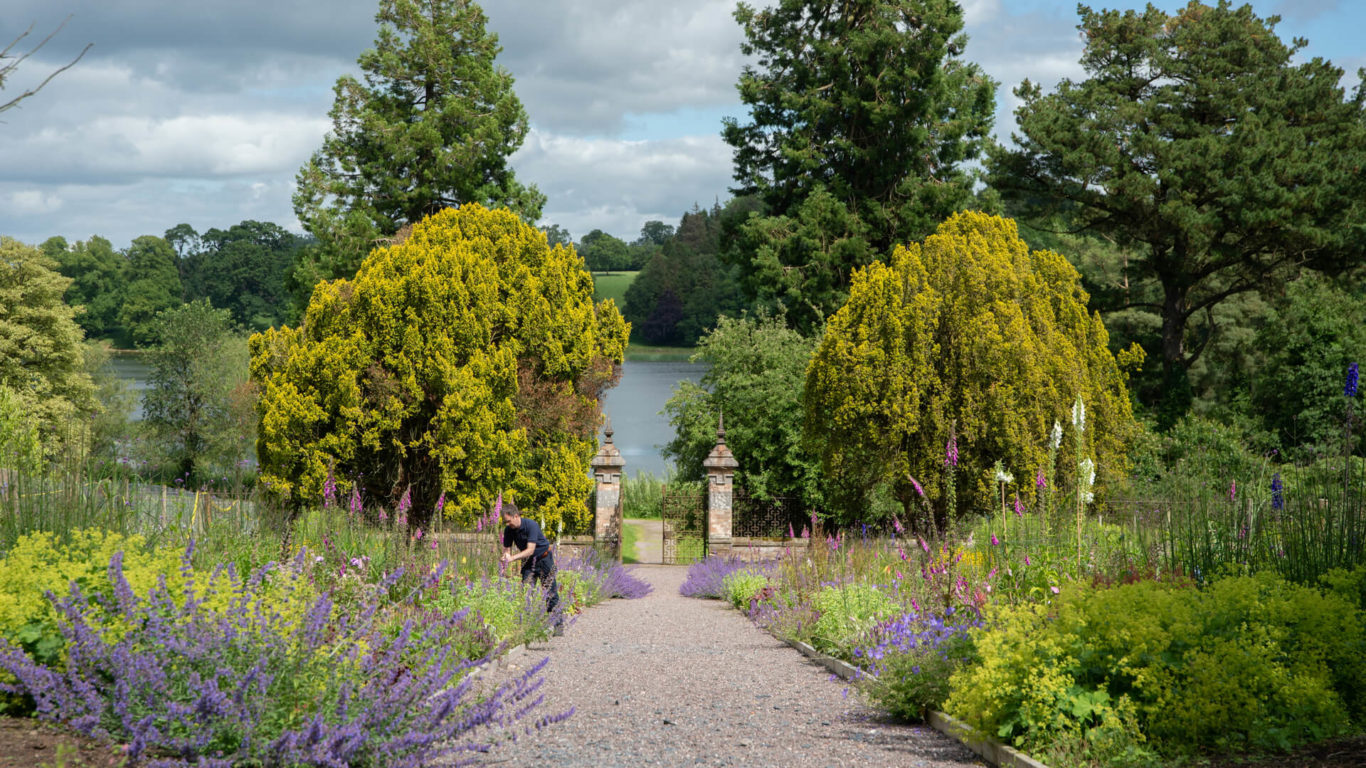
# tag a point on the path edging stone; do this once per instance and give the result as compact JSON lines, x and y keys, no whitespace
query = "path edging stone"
{"x":988,"y":749}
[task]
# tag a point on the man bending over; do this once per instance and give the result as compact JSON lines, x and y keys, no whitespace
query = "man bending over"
{"x":523,"y":540}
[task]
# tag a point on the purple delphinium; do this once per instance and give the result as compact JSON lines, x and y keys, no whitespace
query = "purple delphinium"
{"x":1352,"y":373}
{"x":190,"y":684}
{"x":911,"y":658}
{"x":705,"y":576}
{"x":1277,"y":492}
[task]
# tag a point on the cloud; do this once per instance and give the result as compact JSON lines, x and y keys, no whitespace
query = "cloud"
{"x":617,"y":185}
{"x":29,"y":202}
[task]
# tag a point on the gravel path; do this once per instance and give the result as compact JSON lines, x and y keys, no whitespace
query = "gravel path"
{"x":673,"y":681}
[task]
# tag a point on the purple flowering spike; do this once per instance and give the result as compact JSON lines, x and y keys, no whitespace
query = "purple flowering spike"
{"x":441,"y":502}
{"x":1351,"y":389}
{"x":329,"y":491}
{"x":1040,"y":481}
{"x":356,"y":506}
{"x":918,"y":489}
{"x":790,"y":534}
{"x":1233,"y":491}
{"x":951,"y":451}
{"x":995,"y":542}
{"x":896,"y":525}
{"x":1277,"y":492}
{"x":1019,"y":508}
{"x":405,"y":503}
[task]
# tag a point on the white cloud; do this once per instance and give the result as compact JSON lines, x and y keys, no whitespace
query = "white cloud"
{"x":32,"y":201}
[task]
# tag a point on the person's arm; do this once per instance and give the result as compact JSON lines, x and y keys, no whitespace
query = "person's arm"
{"x":508,"y":557}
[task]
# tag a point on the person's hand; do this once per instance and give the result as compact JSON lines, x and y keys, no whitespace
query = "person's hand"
{"x":507,"y":558}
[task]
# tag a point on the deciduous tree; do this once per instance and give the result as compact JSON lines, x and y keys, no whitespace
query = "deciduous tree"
{"x":466,"y":360}
{"x":41,"y":356}
{"x":1197,"y":140}
{"x":153,"y":285}
{"x":968,"y":334}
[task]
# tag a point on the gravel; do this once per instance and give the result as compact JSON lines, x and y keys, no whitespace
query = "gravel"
{"x":673,"y":681}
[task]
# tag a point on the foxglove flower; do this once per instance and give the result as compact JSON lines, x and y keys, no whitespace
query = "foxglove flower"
{"x":951,"y":451}
{"x":1055,"y":437}
{"x":1040,"y":481}
{"x":1079,"y":415}
{"x":1002,"y":476}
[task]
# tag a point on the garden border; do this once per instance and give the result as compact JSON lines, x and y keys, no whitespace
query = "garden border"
{"x":988,"y":749}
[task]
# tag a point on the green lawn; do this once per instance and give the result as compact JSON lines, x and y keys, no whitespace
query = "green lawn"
{"x":630,"y":534}
{"x":612,"y":285}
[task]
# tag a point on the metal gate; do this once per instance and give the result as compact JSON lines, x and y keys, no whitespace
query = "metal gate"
{"x":684,"y":514}
{"x":775,"y":517}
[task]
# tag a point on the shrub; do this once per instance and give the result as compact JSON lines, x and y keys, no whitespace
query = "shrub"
{"x":705,"y":576}
{"x":911,"y":658}
{"x":740,"y":587}
{"x":846,"y":614}
{"x":1250,"y":662}
{"x":604,"y":576}
{"x":510,"y":610}
{"x":187,"y":685}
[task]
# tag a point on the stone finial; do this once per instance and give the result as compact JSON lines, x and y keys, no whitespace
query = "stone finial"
{"x":608,"y":458}
{"x":720,"y":460}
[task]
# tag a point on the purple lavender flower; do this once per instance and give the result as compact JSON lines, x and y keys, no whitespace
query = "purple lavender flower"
{"x":1351,"y":389}
{"x":705,"y":576}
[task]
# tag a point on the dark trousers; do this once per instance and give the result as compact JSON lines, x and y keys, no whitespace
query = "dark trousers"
{"x":542,"y":571}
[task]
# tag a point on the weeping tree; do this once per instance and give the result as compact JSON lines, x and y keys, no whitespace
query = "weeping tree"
{"x":464,"y":361}
{"x":972,"y":339}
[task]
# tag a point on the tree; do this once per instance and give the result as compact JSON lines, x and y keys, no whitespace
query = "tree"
{"x":862,"y":119}
{"x":432,"y":126}
{"x":41,"y":356}
{"x":1313,"y":334}
{"x":9,"y":62}
{"x":466,"y":360}
{"x":557,"y":235}
{"x":196,"y":367}
{"x":655,"y":233}
{"x":755,"y":380}
{"x":679,"y":294}
{"x":602,"y":252}
{"x":969,"y":335}
{"x":98,"y":285}
{"x":1196,"y":141}
{"x":243,"y":269}
{"x":153,"y":285}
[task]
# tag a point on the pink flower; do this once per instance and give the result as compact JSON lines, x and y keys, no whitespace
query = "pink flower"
{"x":896,"y":524}
{"x":916,"y":485}
{"x":356,"y":506}
{"x":1027,"y":560}
{"x":901,"y":552}
{"x":1055,"y":590}
{"x":925,"y":546}
{"x":915,"y":605}
{"x":497,"y":505}
{"x":1233,"y":491}
{"x":1019,"y":508}
{"x":418,"y":535}
{"x":790,"y":534}
{"x":994,"y":541}
{"x":951,"y":451}
{"x":1040,"y":481}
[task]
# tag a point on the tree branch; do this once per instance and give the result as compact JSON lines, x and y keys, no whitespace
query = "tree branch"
{"x":9,"y":68}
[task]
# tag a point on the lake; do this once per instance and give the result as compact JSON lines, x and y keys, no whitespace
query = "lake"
{"x":639,"y":428}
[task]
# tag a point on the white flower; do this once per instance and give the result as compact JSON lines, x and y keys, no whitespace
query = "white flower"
{"x":1088,"y":470}
{"x":1002,"y":476}
{"x":1090,"y":497}
{"x":1055,"y":439}
{"x":1079,"y":415}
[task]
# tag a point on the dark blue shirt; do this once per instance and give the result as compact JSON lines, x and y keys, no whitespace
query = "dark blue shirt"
{"x":528,"y":532}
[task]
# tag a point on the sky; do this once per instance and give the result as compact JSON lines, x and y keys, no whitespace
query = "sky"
{"x":202,"y":112}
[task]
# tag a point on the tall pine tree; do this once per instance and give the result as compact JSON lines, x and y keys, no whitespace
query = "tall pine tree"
{"x":431,"y":127}
{"x":1198,"y":144}
{"x":862,"y":117}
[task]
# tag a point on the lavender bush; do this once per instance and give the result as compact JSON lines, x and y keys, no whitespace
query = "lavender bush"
{"x":705,"y":577}
{"x":911,"y":658}
{"x":592,"y":577}
{"x":270,"y":680}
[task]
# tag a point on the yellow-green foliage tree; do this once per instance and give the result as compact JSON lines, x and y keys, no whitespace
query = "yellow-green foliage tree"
{"x":464,"y":361}
{"x":970,"y":332}
{"x":42,"y":358}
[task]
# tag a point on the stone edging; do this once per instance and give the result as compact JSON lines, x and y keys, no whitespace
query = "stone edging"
{"x":992,"y":751}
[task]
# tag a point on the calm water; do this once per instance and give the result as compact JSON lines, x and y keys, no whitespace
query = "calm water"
{"x":635,"y":406}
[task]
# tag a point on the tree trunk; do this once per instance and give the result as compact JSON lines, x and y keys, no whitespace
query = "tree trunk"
{"x":1176,"y":389}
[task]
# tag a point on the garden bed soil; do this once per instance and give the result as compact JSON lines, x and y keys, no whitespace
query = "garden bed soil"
{"x":1339,"y":753}
{"x":27,"y":743}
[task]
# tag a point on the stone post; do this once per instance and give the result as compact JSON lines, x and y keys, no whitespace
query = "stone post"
{"x":607,"y":466}
{"x":720,"y":465}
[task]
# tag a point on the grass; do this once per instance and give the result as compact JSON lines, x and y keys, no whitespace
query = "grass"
{"x":630,"y":535}
{"x":642,"y":353}
{"x":612,"y":285}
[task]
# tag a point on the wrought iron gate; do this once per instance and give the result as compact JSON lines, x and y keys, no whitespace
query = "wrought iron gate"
{"x":775,"y":517}
{"x":684,"y":514}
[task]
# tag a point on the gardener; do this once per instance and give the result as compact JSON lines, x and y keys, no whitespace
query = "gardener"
{"x":523,"y":540}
